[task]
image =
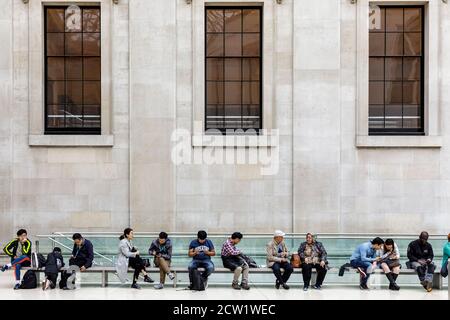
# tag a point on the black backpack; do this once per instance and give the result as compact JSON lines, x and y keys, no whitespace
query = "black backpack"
{"x":29,"y":280}
{"x":251,"y":263}
{"x":37,"y":260}
{"x":197,"y":281}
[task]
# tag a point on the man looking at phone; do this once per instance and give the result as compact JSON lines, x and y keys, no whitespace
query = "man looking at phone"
{"x":201,"y":250}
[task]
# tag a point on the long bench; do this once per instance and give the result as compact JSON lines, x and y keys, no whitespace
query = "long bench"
{"x":105,"y":271}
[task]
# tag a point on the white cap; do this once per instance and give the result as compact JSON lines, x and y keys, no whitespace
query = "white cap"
{"x":279,"y":233}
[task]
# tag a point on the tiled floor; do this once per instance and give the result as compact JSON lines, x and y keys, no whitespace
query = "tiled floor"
{"x":256,"y":293}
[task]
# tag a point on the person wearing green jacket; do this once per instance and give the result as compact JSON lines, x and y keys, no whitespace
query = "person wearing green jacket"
{"x":446,"y":256}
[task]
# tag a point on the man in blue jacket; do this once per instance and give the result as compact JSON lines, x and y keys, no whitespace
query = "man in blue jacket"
{"x":82,"y":253}
{"x":364,"y":259}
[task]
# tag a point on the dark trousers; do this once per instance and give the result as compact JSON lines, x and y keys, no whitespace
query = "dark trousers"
{"x":307,"y":271}
{"x":53,"y":277}
{"x":78,"y":261}
{"x":282,"y":278}
{"x":138,"y":265}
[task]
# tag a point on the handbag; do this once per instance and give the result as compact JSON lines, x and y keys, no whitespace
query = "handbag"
{"x":295,"y":261}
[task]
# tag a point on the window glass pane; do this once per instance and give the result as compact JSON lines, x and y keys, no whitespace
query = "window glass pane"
{"x":250,"y":93}
{"x":55,"y":68}
{"x":214,"y":69}
{"x":214,"y":45}
{"x":91,"y":92}
{"x":411,"y":92}
{"x":74,"y":68}
{"x":251,"y":21}
{"x":394,"y":44}
{"x":73,"y":44}
{"x":233,"y":45}
{"x":413,"y":19}
{"x":55,"y":20}
{"x":412,"y":116}
{"x":376,"y":92}
{"x":411,"y":69}
{"x":55,"y":93}
{"x":376,"y":44}
{"x":233,"y":93}
{"x":376,"y":116}
{"x":233,"y":69}
{"x":251,"y":45}
{"x":393,"y":92}
{"x":233,"y":20}
{"x":394,"y":19}
{"x":91,"y":44}
{"x":214,"y":20}
{"x":74,"y":116}
{"x":215,"y":92}
{"x":92,"y":69}
{"x":55,"y":116}
{"x":413,"y":44}
{"x":250,"y":69}
{"x":91,"y":20}
{"x":376,"y":69}
{"x":91,"y":117}
{"x":394,"y":116}
{"x":55,"y":44}
{"x":394,"y":68}
{"x":74,"y":91}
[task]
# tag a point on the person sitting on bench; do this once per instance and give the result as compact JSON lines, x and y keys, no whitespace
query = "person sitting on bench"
{"x":364,"y":259}
{"x":19,"y":250}
{"x":313,"y":255}
{"x":445,"y":257}
{"x":278,"y":258}
{"x":232,"y":259}
{"x":82,"y":253}
{"x":420,"y":255}
{"x":201,"y":250}
{"x":390,"y":263}
{"x":161,"y":249}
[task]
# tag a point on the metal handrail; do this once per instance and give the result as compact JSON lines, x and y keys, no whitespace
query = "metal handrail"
{"x":95,"y":252}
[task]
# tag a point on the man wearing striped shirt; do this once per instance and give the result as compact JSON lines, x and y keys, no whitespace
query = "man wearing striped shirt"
{"x":232,"y":259}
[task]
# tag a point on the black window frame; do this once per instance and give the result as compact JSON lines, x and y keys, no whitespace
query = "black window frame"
{"x":404,"y":131}
{"x":223,"y":131}
{"x":69,"y":131}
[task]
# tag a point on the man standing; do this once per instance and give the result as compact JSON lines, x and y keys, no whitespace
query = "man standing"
{"x":420,"y":255}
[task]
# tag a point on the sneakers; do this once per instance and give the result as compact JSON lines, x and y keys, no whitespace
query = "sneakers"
{"x":236,"y":286}
{"x":148,"y":279}
{"x":135,"y":286}
{"x":46,"y":284}
{"x":317,"y":287}
{"x":158,"y":286}
{"x":285,"y":286}
{"x":4,"y":268}
{"x":245,"y":286}
{"x":17,"y":286}
{"x":171,"y":276}
{"x":206,"y":284}
{"x":305,"y":288}
{"x":429,"y":286}
{"x":363,"y":286}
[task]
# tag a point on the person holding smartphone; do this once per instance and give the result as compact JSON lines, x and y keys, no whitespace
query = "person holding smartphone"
{"x":161,"y":249}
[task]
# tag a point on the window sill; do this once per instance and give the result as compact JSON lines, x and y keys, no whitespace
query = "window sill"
{"x":265,"y":141}
{"x":71,"y":140}
{"x":399,"y":142}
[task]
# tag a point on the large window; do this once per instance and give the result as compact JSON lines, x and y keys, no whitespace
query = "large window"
{"x":396,"y":88}
{"x":72,"y":70}
{"x":233,"y":68}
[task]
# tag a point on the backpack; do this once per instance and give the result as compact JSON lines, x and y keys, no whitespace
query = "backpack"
{"x":197,"y":281}
{"x":29,"y":280}
{"x":251,"y":263}
{"x":37,"y":260}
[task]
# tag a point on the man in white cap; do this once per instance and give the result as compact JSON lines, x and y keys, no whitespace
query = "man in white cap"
{"x":278,"y":258}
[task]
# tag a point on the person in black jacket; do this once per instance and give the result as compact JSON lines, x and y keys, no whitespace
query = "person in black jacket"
{"x":19,"y":250}
{"x":420,"y":255}
{"x":53,"y":265}
{"x":82,"y":253}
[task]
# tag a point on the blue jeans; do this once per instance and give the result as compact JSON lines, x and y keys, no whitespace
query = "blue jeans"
{"x":366,"y":266}
{"x":17,"y":264}
{"x":208,"y":265}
